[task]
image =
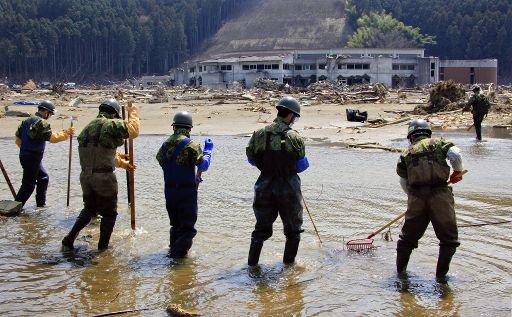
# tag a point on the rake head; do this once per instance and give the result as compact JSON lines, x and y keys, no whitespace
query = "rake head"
{"x":360,"y":244}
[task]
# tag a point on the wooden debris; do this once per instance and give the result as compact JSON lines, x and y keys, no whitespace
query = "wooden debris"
{"x":390,"y":123}
{"x":176,"y":310}
{"x":374,"y":146}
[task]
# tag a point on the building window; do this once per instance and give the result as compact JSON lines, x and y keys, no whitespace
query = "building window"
{"x":245,"y":67}
{"x":298,"y":67}
{"x":252,"y":66}
{"x":404,"y":66}
{"x":432,"y":65}
{"x":260,"y":66}
{"x":322,"y":66}
{"x":226,"y":67}
{"x":275,"y":66}
{"x":192,"y":69}
{"x":286,"y":66}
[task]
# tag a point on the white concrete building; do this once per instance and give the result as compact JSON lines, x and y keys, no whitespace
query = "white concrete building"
{"x":392,"y":67}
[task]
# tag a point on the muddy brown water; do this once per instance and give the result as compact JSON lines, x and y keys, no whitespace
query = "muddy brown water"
{"x":350,"y":193}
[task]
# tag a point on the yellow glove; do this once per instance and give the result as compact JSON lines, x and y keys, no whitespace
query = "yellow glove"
{"x":70,"y":131}
{"x":18,"y":141}
{"x":122,"y":156}
{"x":125,"y":165}
{"x":133,"y":121}
{"x":59,"y":136}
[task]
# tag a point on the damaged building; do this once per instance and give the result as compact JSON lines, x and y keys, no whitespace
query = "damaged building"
{"x":392,"y":67}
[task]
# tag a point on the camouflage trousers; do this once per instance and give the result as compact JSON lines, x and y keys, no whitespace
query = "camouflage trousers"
{"x":277,"y":196}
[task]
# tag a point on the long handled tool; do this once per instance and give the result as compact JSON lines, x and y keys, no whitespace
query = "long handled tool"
{"x":126,"y":153}
{"x":363,"y":244}
{"x":13,"y":192}
{"x":69,"y":163}
{"x":309,"y":214}
{"x":131,"y":188}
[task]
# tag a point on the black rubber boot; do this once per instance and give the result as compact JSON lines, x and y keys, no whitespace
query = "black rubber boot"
{"x":81,"y":222}
{"x":402,"y":259}
{"x":106,"y":228}
{"x":254,"y":252}
{"x":290,"y":250}
{"x":443,"y":262}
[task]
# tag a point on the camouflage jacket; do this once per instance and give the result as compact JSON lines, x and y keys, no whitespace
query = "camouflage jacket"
{"x":191,"y":155}
{"x":478,"y":104}
{"x":293,"y":142}
{"x":39,"y":130}
{"x":113,"y":132}
{"x":441,"y":147}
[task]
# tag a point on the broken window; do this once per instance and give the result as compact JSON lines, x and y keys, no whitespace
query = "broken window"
{"x":298,"y":67}
{"x":260,"y":66}
{"x":286,"y":66}
{"x":275,"y":66}
{"x":245,"y":67}
{"x":322,"y":66}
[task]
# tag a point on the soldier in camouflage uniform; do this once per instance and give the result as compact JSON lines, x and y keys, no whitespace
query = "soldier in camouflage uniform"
{"x":31,"y":138}
{"x":423,"y":175}
{"x":97,"y":145}
{"x":179,"y":156}
{"x":279,"y":153}
{"x":479,"y":105}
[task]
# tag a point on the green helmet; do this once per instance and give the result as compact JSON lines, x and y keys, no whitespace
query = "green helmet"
{"x":182,"y":118}
{"x":111,"y":104}
{"x":47,"y":105}
{"x":289,"y":103}
{"x":418,"y":127}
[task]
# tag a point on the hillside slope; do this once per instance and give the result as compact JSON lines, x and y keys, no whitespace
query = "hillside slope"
{"x":282,"y":24}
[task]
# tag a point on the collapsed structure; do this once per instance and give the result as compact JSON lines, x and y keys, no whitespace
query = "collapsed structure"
{"x":392,"y":67}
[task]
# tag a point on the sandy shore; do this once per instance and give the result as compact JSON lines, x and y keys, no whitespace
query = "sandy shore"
{"x":325,"y":122}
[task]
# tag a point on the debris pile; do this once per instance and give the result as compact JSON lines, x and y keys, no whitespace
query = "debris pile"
{"x":29,"y":85}
{"x":444,"y":96}
{"x":267,"y":84}
{"x":58,"y":89}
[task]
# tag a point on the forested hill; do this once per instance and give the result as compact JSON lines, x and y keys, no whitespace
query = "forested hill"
{"x":93,"y":39}
{"x":463,"y":29}
{"x":80,"y":39}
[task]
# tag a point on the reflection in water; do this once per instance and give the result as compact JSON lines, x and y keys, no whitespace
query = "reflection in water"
{"x":413,"y":291}
{"x":347,"y":200}
{"x":275,"y":287}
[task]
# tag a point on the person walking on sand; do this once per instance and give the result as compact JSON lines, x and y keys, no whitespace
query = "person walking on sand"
{"x":31,"y":137}
{"x":97,"y":145}
{"x":479,"y":105}
{"x":179,"y":156}
{"x":423,"y":175}
{"x":279,"y":153}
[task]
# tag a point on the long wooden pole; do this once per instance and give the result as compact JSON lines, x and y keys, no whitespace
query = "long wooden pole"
{"x":126,"y":152}
{"x":131,"y":183}
{"x":13,"y":192}
{"x":69,"y":164}
{"x":311,"y":218}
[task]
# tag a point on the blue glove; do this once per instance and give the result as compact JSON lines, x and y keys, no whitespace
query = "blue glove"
{"x":252,"y":162}
{"x":302,"y":164}
{"x":208,"y":146}
{"x":207,"y":155}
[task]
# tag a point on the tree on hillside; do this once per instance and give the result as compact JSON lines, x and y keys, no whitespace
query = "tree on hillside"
{"x":382,"y":30}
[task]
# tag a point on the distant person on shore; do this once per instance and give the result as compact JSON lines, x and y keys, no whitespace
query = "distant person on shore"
{"x":179,"y":156}
{"x":424,"y":176}
{"x":479,"y":105}
{"x":31,"y":137}
{"x":279,"y":153}
{"x":97,"y":144}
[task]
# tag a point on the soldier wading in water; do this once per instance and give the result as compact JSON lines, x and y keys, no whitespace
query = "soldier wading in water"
{"x":279,"y":153}
{"x":97,"y":145}
{"x":424,"y":174}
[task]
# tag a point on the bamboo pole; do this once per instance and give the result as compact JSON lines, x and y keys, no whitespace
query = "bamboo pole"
{"x":131,"y":182}
{"x":126,"y":152}
{"x":69,"y":164}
